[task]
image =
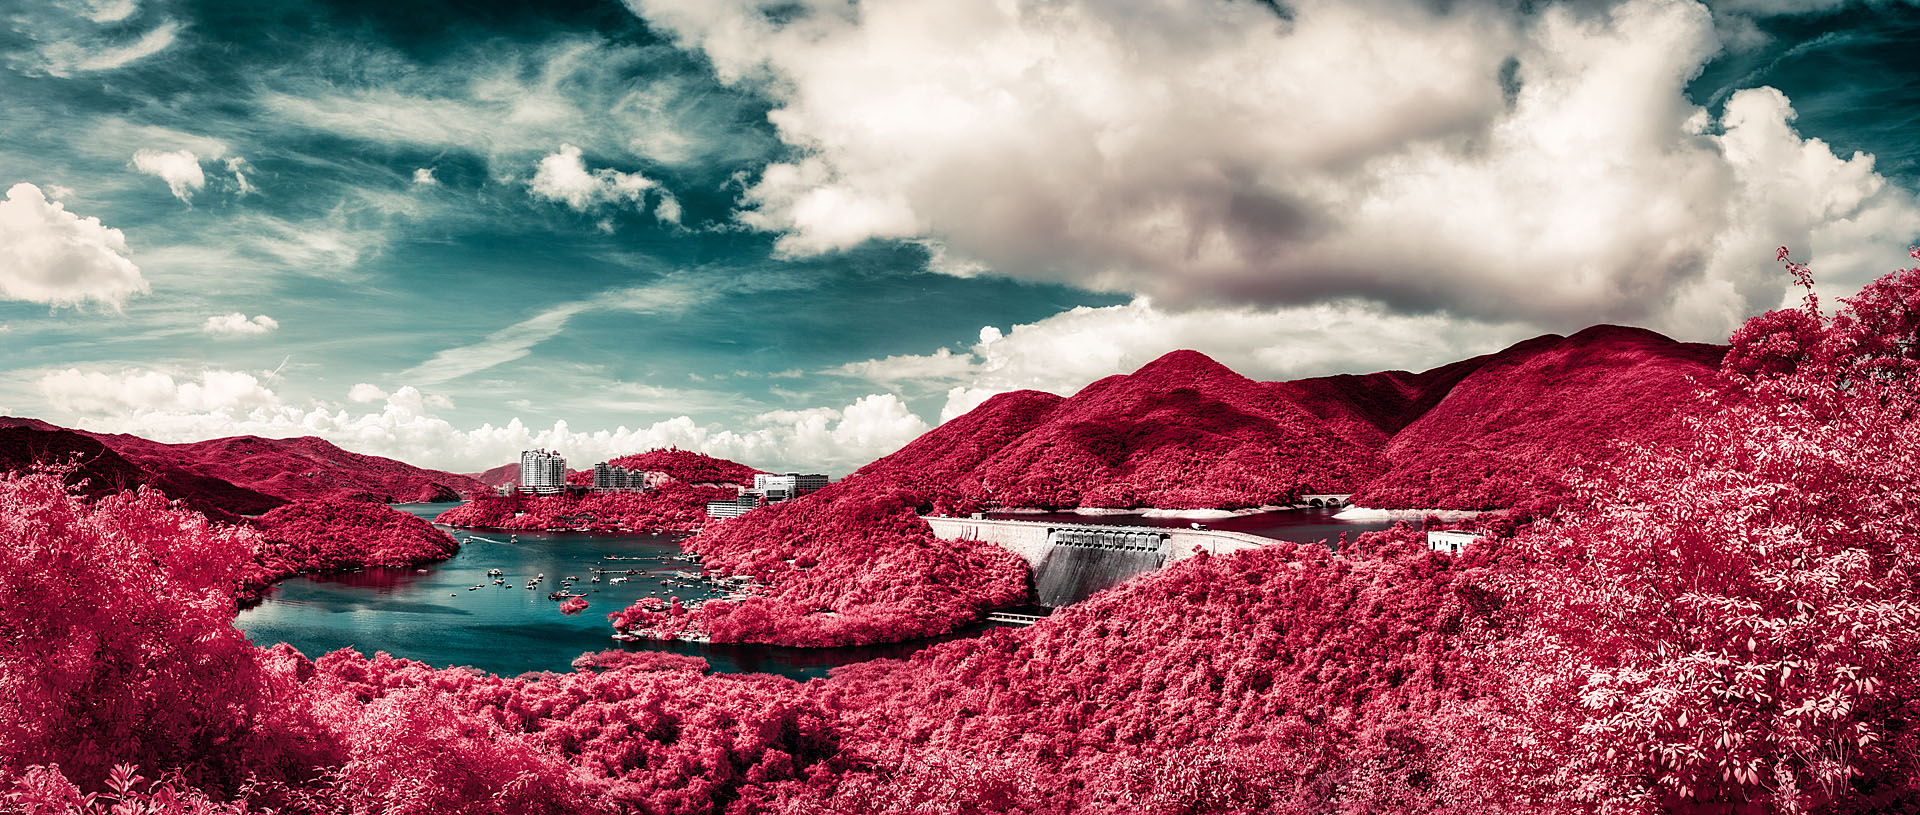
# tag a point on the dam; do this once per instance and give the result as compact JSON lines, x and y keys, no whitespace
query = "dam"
{"x":1071,"y":562}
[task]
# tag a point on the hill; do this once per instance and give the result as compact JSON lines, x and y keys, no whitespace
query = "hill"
{"x":297,"y":469}
{"x":1182,"y":432}
{"x":24,"y":443}
{"x":680,"y":504}
{"x":1507,"y":432}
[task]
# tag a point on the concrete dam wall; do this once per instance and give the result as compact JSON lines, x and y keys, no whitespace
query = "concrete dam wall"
{"x":1070,"y":562}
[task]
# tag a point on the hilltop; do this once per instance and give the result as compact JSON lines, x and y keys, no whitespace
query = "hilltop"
{"x":296,"y":469}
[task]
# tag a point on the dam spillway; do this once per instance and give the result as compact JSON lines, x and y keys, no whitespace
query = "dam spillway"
{"x":1081,"y":562}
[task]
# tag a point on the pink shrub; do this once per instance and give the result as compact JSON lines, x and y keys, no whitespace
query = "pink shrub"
{"x":115,"y":637}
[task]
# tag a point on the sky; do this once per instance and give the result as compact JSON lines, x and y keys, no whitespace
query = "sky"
{"x":800,"y":233}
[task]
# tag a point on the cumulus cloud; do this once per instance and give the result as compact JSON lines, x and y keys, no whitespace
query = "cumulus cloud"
{"x":140,"y":393}
{"x":423,"y":176}
{"x":49,"y":255}
{"x":1474,"y":159}
{"x":237,"y":324}
{"x":563,"y":177}
{"x":405,"y":425}
{"x":179,"y":168}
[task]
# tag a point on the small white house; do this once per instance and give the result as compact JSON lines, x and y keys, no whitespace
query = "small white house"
{"x":1450,"y":542}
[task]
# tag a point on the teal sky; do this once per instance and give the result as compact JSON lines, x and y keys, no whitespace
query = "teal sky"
{"x":798,"y":234}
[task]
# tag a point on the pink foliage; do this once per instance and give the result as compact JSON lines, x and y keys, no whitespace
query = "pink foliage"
{"x":573,"y":605}
{"x":1134,"y":702}
{"x":1507,"y":434}
{"x":1737,"y":618}
{"x":115,"y":636}
{"x":324,"y":536}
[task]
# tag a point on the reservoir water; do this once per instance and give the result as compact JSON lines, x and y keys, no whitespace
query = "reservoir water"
{"x":433,"y":614}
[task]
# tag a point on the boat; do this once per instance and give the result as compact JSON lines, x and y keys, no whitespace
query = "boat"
{"x":493,"y":572}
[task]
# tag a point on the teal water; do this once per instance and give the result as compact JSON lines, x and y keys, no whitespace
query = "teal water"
{"x":433,"y":615}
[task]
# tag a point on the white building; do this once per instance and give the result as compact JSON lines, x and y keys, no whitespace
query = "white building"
{"x":734,"y":508}
{"x":788,"y":486}
{"x":543,"y":472}
{"x":1450,"y":542}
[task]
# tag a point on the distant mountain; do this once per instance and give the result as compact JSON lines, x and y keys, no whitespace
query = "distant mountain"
{"x":503,"y":474}
{"x":305,"y":468}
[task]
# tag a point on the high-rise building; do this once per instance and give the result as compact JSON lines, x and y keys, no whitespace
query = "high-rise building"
{"x":613,"y":477}
{"x":543,"y":472}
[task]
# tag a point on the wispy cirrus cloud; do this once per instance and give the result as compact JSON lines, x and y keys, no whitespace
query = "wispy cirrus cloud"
{"x":667,"y":296}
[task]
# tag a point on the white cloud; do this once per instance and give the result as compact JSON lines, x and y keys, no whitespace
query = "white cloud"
{"x":517,"y":340}
{"x":237,"y":324}
{"x":179,"y":168}
{"x":563,"y":177}
{"x":69,"y":48}
{"x":507,"y":102}
{"x":109,"y":11}
{"x":502,"y":346}
{"x":239,"y":168}
{"x":1212,"y":152}
{"x":365,"y":392}
{"x":424,"y":177}
{"x":942,"y":364}
{"x":668,"y":210}
{"x":49,"y":255}
{"x":140,"y":393}
{"x":165,"y":407}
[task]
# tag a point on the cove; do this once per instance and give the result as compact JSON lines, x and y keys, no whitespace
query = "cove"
{"x":433,"y":614}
